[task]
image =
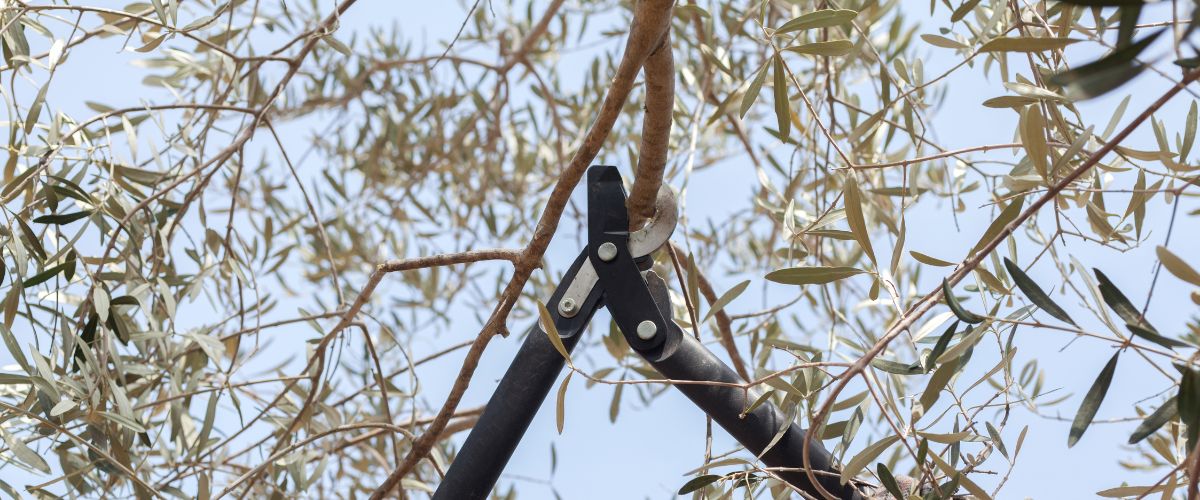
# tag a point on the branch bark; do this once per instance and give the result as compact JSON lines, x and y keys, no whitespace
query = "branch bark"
{"x":659,"y":71}
{"x":651,"y":19}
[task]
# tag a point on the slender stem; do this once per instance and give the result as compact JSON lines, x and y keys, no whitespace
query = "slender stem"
{"x":931,"y":299}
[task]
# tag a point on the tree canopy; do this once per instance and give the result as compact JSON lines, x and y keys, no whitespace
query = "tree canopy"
{"x":233,"y":277}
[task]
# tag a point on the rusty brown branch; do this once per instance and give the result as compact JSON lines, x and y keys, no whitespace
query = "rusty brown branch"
{"x":659,"y":71}
{"x":724,"y":323}
{"x":651,"y":19}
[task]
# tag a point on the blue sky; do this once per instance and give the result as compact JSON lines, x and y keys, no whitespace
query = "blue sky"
{"x":647,"y":451}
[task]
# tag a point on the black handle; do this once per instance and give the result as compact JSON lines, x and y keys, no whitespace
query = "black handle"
{"x":500,"y":428}
{"x":688,"y":360}
{"x":529,"y":378}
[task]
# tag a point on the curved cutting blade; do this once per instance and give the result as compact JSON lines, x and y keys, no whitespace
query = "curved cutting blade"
{"x":642,"y":242}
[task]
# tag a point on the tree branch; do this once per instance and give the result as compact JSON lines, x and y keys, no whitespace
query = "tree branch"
{"x":724,"y":322}
{"x":318,"y":357}
{"x":531,"y":39}
{"x":650,"y":20}
{"x":659,"y":71}
{"x":909,"y":317}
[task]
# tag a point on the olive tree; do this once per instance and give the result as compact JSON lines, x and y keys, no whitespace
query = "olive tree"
{"x":229,"y":281}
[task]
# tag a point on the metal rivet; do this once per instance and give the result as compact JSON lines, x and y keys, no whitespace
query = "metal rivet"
{"x":646,"y":330}
{"x":607,"y":251}
{"x":567,"y":307}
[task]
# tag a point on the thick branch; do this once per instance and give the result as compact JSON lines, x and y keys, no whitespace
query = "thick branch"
{"x":651,"y":19}
{"x":659,"y":71}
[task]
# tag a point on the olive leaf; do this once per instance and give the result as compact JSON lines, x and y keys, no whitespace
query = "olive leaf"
{"x":813,"y":275}
{"x":866,"y":456}
{"x":24,"y":453}
{"x":998,"y":226}
{"x":551,"y":330}
{"x":1134,"y":321}
{"x":896,"y":367}
{"x":1177,"y":266}
{"x":696,"y":483}
{"x":889,"y":481}
{"x":1118,"y":302}
{"x":1033,"y":135}
{"x":941,"y":41}
{"x":560,"y":408}
{"x":940,"y":346}
{"x":783,"y":113}
{"x":932,"y":261}
{"x":966,"y":482}
{"x":818,"y":19}
{"x":45,"y":275}
{"x":963,"y":315}
{"x":962,"y":10}
{"x":1035,"y":292}
{"x":752,"y":91}
{"x":1131,"y":491}
{"x":1188,"y":402}
{"x":1153,"y":336}
{"x":61,"y":219}
{"x":825,"y":48}
{"x":1107,"y":73}
{"x":933,"y":390}
{"x":1163,"y":414}
{"x":1092,"y":400}
{"x":855,"y":217}
{"x":725,"y":299}
{"x":995,"y":436}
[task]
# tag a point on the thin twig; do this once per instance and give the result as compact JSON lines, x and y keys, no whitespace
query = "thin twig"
{"x":931,"y":299}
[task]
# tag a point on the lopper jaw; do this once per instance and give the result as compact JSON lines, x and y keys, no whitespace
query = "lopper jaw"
{"x":608,"y":273}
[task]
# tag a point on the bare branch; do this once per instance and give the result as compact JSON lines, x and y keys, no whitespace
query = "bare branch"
{"x":724,"y":323}
{"x":656,"y":133}
{"x":651,"y":19}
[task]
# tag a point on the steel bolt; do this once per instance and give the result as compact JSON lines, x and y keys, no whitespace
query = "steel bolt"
{"x":646,"y":330}
{"x":607,"y":251}
{"x":567,"y":307}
